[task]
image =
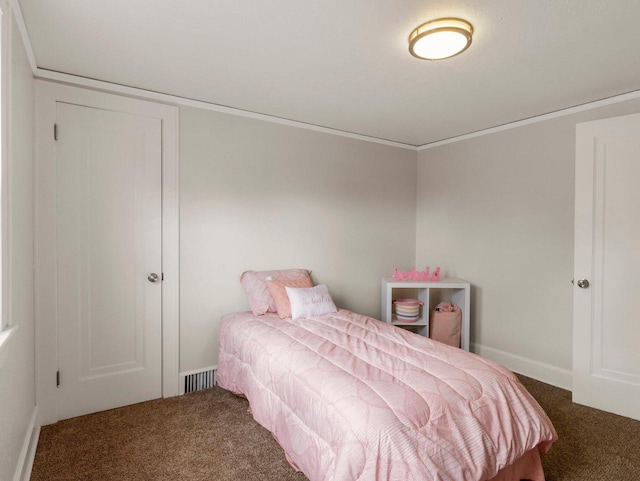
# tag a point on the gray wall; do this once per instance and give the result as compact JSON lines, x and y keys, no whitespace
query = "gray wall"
{"x":256,"y":195}
{"x":17,"y":371}
{"x":498,"y":210}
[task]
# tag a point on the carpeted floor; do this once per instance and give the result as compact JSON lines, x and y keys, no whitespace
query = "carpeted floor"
{"x":592,"y":445}
{"x":206,"y":435}
{"x":209,"y":435}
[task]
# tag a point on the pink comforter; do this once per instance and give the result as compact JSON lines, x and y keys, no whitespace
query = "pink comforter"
{"x":352,"y":398}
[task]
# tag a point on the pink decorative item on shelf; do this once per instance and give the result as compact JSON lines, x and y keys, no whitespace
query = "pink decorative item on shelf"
{"x":414,"y":275}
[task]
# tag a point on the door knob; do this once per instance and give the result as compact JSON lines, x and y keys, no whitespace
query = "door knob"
{"x":583,"y":283}
{"x":153,"y":277}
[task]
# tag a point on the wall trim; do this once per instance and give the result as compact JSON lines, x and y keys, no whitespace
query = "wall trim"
{"x":184,"y":374}
{"x":535,"y":119}
{"x":28,"y":452}
{"x":187,"y":102}
{"x":17,"y":15}
{"x":541,"y":371}
{"x":109,"y":87}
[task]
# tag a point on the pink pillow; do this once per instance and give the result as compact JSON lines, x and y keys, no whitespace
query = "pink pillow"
{"x":254,"y":283}
{"x":279,"y":294}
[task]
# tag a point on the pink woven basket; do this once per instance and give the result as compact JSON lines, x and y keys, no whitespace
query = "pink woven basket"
{"x":407,"y":310}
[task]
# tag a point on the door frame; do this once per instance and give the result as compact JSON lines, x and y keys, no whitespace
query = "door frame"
{"x":45,"y":250}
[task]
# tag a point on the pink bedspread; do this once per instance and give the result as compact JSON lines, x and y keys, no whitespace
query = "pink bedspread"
{"x":352,"y":398}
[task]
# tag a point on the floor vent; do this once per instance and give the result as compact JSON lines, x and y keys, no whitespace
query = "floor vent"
{"x":200,"y":380}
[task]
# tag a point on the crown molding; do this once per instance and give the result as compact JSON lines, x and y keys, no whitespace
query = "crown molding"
{"x":175,"y":100}
{"x":95,"y":84}
{"x":538,"y":118}
{"x":22,"y":27}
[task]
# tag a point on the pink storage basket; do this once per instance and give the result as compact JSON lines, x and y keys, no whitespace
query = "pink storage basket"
{"x":446,"y":323}
{"x":407,"y":310}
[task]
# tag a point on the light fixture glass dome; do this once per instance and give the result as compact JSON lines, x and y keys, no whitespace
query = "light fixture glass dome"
{"x":441,"y":38}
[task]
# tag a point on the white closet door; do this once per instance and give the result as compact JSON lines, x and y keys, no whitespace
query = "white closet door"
{"x":606,"y":357}
{"x":108,"y":212}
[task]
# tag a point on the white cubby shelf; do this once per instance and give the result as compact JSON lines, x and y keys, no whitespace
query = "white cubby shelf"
{"x":456,"y":291}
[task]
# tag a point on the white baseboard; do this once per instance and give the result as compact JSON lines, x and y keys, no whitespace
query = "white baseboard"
{"x":541,"y":371}
{"x":28,"y":452}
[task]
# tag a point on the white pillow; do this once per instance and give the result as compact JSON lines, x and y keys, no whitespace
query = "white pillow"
{"x":310,"y":301}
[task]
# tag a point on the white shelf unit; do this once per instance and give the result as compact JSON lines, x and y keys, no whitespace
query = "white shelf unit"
{"x":452,"y":290}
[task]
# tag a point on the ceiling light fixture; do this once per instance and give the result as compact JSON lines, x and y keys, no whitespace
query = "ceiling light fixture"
{"x":441,"y":38}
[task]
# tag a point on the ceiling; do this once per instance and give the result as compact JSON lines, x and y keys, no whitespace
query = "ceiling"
{"x":345,"y":65}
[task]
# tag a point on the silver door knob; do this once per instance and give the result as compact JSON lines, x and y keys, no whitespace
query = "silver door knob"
{"x":153,"y":277}
{"x":583,"y":283}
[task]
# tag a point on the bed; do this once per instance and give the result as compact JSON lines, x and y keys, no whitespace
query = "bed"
{"x":349,"y":397}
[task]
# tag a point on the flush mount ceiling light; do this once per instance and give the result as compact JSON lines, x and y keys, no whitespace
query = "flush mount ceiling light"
{"x":441,"y":38}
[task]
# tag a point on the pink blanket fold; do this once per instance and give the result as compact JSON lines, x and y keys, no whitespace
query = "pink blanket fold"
{"x":352,"y":398}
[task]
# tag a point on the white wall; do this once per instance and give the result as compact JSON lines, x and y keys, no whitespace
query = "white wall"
{"x":17,"y":374}
{"x":498,"y":210}
{"x":258,"y":195}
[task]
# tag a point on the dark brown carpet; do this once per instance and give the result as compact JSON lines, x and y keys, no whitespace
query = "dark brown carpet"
{"x":209,"y":435}
{"x":592,"y":445}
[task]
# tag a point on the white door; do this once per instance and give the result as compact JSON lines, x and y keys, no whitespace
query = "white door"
{"x":108,"y":213}
{"x":606,"y":357}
